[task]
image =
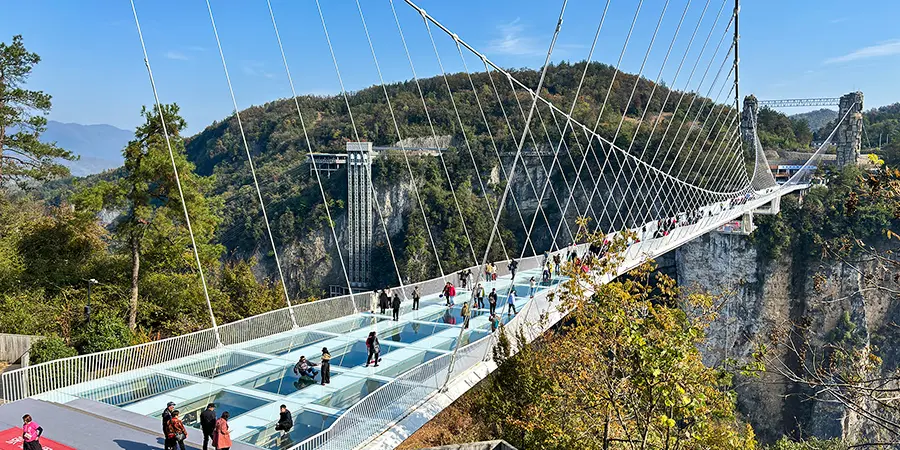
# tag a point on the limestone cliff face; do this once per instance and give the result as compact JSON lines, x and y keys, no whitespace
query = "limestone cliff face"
{"x":762,"y":296}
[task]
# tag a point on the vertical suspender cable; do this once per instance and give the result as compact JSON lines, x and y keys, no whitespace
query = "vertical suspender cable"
{"x":262,"y":204}
{"x":387,"y":236}
{"x":512,"y":171}
{"x":312,"y":158}
{"x":187,"y":219}
{"x":387,"y":98}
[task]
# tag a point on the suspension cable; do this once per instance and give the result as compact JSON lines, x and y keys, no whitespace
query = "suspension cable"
{"x":367,"y":166}
{"x":412,"y":177}
{"x":312,"y":158}
{"x":187,"y":218}
{"x":262,"y":205}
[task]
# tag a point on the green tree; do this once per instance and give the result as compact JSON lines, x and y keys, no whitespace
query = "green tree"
{"x":152,"y":230}
{"x":22,"y":155}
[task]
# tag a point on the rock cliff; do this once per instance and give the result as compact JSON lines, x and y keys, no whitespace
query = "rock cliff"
{"x":818,"y":302}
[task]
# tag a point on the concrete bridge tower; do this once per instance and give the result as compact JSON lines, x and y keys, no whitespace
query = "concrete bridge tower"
{"x":848,"y":138}
{"x":749,"y":122}
{"x":359,"y":213}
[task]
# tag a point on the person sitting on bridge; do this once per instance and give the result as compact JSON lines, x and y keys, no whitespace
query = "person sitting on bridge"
{"x":285,"y":420}
{"x":306,"y":368}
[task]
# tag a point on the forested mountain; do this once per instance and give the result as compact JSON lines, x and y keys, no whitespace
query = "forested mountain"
{"x":778,"y":131}
{"x":293,"y":201}
{"x":817,"y":119}
{"x":98,"y":146}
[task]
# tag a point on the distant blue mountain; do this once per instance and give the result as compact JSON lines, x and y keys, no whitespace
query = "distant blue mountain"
{"x":100,"y":146}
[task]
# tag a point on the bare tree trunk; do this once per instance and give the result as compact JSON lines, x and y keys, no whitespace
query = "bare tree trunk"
{"x":2,"y":129}
{"x":135,"y":272}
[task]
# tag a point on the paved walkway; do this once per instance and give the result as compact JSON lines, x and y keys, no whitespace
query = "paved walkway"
{"x":90,"y":430}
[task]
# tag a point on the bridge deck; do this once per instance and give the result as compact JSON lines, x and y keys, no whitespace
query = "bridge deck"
{"x":251,"y":379}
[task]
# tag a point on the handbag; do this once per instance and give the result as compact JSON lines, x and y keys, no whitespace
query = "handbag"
{"x":180,"y":436}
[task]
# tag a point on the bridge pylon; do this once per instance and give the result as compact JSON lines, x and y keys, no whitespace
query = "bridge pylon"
{"x":848,"y":138}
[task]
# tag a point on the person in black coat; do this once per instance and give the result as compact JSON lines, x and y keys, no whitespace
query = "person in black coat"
{"x":383,"y":301}
{"x":166,"y":417}
{"x":208,"y":424}
{"x":395,"y":304}
{"x":285,"y":420}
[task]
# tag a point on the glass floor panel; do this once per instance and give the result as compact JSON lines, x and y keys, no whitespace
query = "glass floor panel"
{"x":133,"y":391}
{"x":353,"y":355}
{"x":451,"y":316}
{"x":412,"y":332}
{"x":283,"y":381}
{"x":306,"y":424}
{"x":468,"y":337}
{"x":522,"y":291}
{"x":352,"y":325}
{"x":396,"y":370}
{"x":236,"y":404}
{"x":288,"y":344}
{"x":349,"y":395}
{"x":217,"y":365}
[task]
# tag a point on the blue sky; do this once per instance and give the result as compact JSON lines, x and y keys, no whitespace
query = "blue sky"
{"x":92,"y":62}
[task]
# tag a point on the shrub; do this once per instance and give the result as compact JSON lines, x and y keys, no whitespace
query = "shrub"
{"x":49,"y":349}
{"x":102,"y":332}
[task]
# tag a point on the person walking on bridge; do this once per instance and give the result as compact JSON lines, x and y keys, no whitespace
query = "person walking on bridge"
{"x":479,"y":295}
{"x":374,"y":349}
{"x":326,"y":366}
{"x":222,"y":438}
{"x":532,"y":285}
{"x":176,"y":431}
{"x":416,"y":296}
{"x":556,"y":262}
{"x":395,"y":305}
{"x":166,"y":418}
{"x":383,"y":301}
{"x":511,"y":302}
{"x":513,"y":265}
{"x":492,"y":300}
{"x":208,"y":424}
{"x":465,"y":313}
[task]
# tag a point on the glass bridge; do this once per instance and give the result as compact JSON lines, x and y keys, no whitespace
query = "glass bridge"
{"x":252,"y":379}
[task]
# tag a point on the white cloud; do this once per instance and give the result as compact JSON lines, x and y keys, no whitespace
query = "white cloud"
{"x":514,"y":41}
{"x":176,"y":55}
{"x":887,"y":48}
{"x":256,"y":69}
